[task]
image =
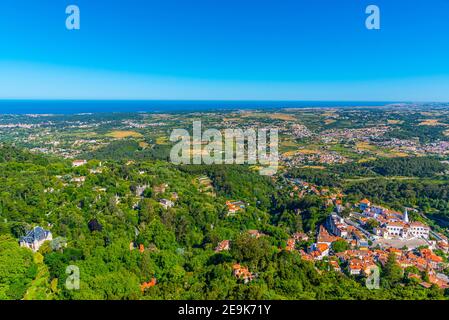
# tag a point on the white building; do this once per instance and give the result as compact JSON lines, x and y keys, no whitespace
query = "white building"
{"x":35,"y":238}
{"x":166,"y":203}
{"x":79,"y":163}
{"x":419,"y":230}
{"x":405,"y":229}
{"x":337,"y":226}
{"x":78,"y":179}
{"x":395,"y":229}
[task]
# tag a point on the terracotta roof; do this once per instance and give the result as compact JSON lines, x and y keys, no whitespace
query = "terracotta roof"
{"x":322,"y":247}
{"x":435,"y":258}
{"x":324,"y":236}
{"x":290,"y":244}
{"x":418,"y":224}
{"x":426,"y":285}
{"x":148,"y":284}
{"x":395,"y":224}
{"x":223,"y":245}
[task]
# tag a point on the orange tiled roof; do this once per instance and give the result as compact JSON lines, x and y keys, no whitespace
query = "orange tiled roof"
{"x":322,"y":247}
{"x":418,"y":224}
{"x":443,"y":244}
{"x":223,"y":245}
{"x":421,"y":261}
{"x":290,"y":244}
{"x":324,"y":236}
{"x":435,"y":258}
{"x":242,"y":272}
{"x":396,"y":223}
{"x":148,"y":284}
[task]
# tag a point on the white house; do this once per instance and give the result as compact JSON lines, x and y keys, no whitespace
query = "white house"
{"x":35,"y":238}
{"x":395,"y":229}
{"x":79,"y":163}
{"x":403,"y":229}
{"x":166,"y":203}
{"x":337,"y":226}
{"x":419,"y":230}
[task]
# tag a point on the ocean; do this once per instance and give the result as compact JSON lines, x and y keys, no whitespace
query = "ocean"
{"x":96,"y":106}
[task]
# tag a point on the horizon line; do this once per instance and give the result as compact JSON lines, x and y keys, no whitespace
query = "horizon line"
{"x":216,"y":100}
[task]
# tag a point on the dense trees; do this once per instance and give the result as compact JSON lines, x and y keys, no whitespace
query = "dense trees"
{"x":299,"y":214}
{"x":316,"y":176}
{"x":104,"y":222}
{"x":11,"y":154}
{"x":392,"y":273}
{"x":130,"y":149}
{"x":17,"y":269}
{"x":237,"y":182}
{"x":383,"y":167}
{"x":340,"y":246}
{"x":408,"y":166}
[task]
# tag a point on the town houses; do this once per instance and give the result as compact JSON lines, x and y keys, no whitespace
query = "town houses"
{"x":403,"y":230}
{"x":166,"y":203}
{"x":242,"y":273}
{"x":309,"y":157}
{"x":321,"y":247}
{"x":364,"y":134}
{"x":78,"y":163}
{"x":255,"y":233}
{"x":234,"y":206}
{"x":148,"y":284}
{"x":78,"y":180}
{"x":393,"y":224}
{"x":361,"y":262}
{"x":364,"y":253}
{"x":297,"y":237}
{"x":223,"y":246}
{"x":338,"y":226}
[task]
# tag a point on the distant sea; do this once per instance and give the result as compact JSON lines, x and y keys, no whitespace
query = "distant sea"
{"x":96,"y":106}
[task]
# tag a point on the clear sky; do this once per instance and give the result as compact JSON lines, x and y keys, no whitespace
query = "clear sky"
{"x":225,"y":49}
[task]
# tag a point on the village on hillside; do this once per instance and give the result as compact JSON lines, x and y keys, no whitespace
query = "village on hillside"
{"x":372,"y":234}
{"x":355,"y":244}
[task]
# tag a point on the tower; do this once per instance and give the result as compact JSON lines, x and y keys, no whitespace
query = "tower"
{"x":406,"y":220}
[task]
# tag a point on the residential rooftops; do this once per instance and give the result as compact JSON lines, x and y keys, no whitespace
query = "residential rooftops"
{"x":36,"y":234}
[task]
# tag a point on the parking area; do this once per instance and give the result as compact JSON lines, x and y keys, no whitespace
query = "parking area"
{"x":400,"y":243}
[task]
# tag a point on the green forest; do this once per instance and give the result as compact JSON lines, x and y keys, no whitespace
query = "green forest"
{"x":100,"y":225}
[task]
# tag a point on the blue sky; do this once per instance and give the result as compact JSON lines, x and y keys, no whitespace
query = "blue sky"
{"x":225,"y":49}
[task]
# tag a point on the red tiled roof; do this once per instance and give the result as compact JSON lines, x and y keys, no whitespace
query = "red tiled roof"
{"x":322,"y":247}
{"x":148,"y":284}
